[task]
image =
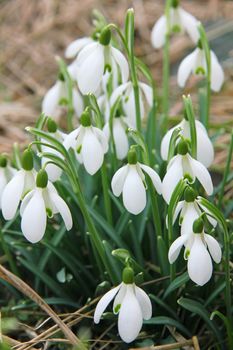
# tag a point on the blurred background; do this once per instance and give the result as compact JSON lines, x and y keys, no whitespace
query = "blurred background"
{"x":34,"y":32}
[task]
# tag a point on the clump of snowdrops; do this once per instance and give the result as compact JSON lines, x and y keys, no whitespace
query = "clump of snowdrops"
{"x":136,"y":197}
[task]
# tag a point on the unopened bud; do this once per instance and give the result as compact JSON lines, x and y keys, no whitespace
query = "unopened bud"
{"x":42,"y":179}
{"x":27,"y":160}
{"x":128,"y":275}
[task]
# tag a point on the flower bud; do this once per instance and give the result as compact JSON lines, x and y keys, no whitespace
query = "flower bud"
{"x":182,"y":147}
{"x":132,"y":156}
{"x":190,"y":195}
{"x":105,"y":36}
{"x":198,"y":225}
{"x":128,"y":275}
{"x":42,"y":179}
{"x":85,"y":119}
{"x":3,"y":161}
{"x":51,"y":125}
{"x":27,"y":160}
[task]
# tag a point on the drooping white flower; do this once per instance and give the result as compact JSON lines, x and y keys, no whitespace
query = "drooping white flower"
{"x":131,"y":304}
{"x":21,"y":183}
{"x":95,"y":58}
{"x":90,"y":144}
{"x":54,"y":172}
{"x":195,"y":63}
{"x":39,"y":203}
{"x":130,"y":181}
{"x":128,"y":101}
{"x":6,"y":174}
{"x":76,"y":46}
{"x":199,"y":248}
{"x":57,"y":95}
{"x":183,"y":165}
{"x":205,"y":149}
{"x":180,"y":21}
{"x":120,"y":138}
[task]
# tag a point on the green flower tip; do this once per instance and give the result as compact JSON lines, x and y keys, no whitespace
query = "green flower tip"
{"x":132,"y":156}
{"x":27,"y":160}
{"x":183,"y":147}
{"x":51,"y":125}
{"x":3,"y":161}
{"x":175,"y":3}
{"x":105,"y":36}
{"x":190,"y":195}
{"x":128,"y":275}
{"x":42,"y":179}
{"x":85,"y":119}
{"x":198,"y":225}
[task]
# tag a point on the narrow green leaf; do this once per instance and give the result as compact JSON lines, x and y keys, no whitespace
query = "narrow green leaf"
{"x":176,"y":283}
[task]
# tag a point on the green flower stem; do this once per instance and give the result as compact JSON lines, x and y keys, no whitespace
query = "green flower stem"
{"x":191,"y":118}
{"x":206,"y":48}
{"x":107,"y":201}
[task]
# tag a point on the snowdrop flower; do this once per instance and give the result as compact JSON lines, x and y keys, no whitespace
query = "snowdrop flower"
{"x":128,"y":101}
{"x":205,"y":149}
{"x":39,"y":203}
{"x":131,"y":304}
{"x":76,"y":46}
{"x":54,"y":172}
{"x":89,"y":143}
{"x":199,"y":248}
{"x":130,"y":181}
{"x":22,"y":182}
{"x":57,"y":96}
{"x":195,"y":63}
{"x":6,"y":174}
{"x":180,"y":21}
{"x":95,"y":58}
{"x":120,"y":138}
{"x":184,"y":166}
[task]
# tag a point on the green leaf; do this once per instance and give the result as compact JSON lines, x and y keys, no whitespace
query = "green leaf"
{"x":227,"y":324}
{"x":162,"y":252}
{"x":176,"y":283}
{"x":172,"y":143}
{"x":191,"y":117}
{"x":168,"y":321}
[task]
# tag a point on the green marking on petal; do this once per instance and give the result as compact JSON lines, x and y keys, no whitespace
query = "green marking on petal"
{"x":188,"y":177}
{"x":200,"y":70}
{"x":79,"y":149}
{"x":176,"y":28}
{"x":49,"y":213}
{"x":117,"y":308}
{"x":63,"y":101}
{"x":186,"y":254}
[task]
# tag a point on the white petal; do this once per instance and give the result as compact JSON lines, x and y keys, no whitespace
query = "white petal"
{"x":186,"y":67}
{"x":73,"y":48}
{"x":29,"y":181}
{"x":119,"y":298}
{"x":51,"y":99}
{"x":158,"y":33}
{"x":53,"y":171}
{"x":177,"y":210}
{"x":85,"y":52}
{"x":34,"y":218}
{"x":190,"y":24}
{"x":212,"y":221}
{"x":118,"y":180}
{"x":165,"y":143}
{"x":90,"y":72}
{"x":92,"y":152}
{"x":25,"y":201}
{"x":134,"y":193}
{"x":119,"y":91}
{"x":71,"y":139}
{"x":172,"y":177}
{"x":148,"y":92}
{"x":217,"y":74}
{"x":102,"y":138}
{"x":103,"y":303}
{"x":202,"y":174}
{"x":122,"y":63}
{"x":214,"y":248}
{"x":72,"y":70}
{"x":175,"y":248}
{"x":154,"y":177}
{"x":63,"y":209}
{"x":12,"y":194}
{"x":191,"y":214}
{"x":199,"y":262}
{"x":3,"y":182}
{"x":77,"y":102}
{"x":120,"y":139}
{"x":130,"y":317}
{"x":144,"y":302}
{"x":205,"y":149}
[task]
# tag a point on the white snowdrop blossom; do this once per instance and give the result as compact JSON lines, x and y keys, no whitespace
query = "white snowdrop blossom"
{"x":130,"y":181}
{"x":54,"y":172}
{"x":21,"y":183}
{"x":89,"y":143}
{"x":180,"y":21}
{"x":97,"y":57}
{"x":39,"y":203}
{"x":57,"y":96}
{"x":131,"y":304}
{"x":205,"y":149}
{"x":76,"y":46}
{"x":126,"y":92}
{"x":120,"y":138}
{"x":195,"y":63}
{"x":184,"y":166}
{"x":199,"y":248}
{"x":6,"y":174}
